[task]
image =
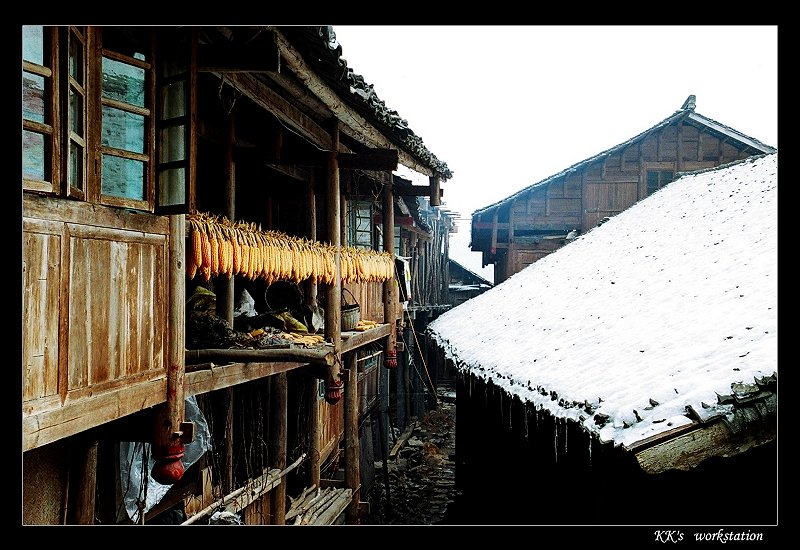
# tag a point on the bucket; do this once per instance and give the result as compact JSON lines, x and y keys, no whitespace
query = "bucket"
{"x":351,"y":313}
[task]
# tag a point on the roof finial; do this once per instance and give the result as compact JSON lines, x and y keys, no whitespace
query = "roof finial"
{"x":689,"y":103}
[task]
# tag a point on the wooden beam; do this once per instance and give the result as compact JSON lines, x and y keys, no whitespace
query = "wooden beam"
{"x":259,"y":54}
{"x":46,"y":427}
{"x":322,"y":355}
{"x":689,"y":449}
{"x":416,"y":191}
{"x":217,"y":377}
{"x":353,"y":340}
{"x":372,"y":159}
{"x":490,"y":225}
{"x":266,"y":98}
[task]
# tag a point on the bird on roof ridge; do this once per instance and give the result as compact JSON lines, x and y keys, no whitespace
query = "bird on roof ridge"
{"x":690,"y":102}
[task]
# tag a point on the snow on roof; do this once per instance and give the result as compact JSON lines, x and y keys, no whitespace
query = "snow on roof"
{"x":664,"y":306}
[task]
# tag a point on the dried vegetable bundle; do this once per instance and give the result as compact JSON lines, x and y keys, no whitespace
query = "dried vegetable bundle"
{"x":218,"y":246}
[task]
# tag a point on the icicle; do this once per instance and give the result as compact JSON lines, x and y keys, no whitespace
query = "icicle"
{"x":510,"y":402}
{"x":555,"y":438}
{"x":500,"y":402}
{"x":590,"y":450}
{"x":525,"y":416}
{"x":566,"y":431}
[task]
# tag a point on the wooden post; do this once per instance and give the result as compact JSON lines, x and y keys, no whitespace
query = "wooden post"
{"x":314,"y":429}
{"x":389,"y":286}
{"x":352,"y":454}
{"x":168,"y":447}
{"x":314,"y":432}
{"x":311,"y":234}
{"x":278,"y":434}
{"x":436,"y":194}
{"x":227,"y":442}
{"x":225,"y":285}
{"x":494,"y":231}
{"x":83,"y":478}
{"x":333,"y":301}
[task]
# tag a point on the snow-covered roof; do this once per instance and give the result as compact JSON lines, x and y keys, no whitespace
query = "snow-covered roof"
{"x":664,"y":308}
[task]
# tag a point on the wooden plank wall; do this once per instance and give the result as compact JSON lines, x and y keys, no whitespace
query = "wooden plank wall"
{"x":94,"y":314}
{"x":369,"y":297}
{"x":332,"y":417}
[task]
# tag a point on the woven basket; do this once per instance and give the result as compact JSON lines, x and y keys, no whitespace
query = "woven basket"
{"x":351,"y":313}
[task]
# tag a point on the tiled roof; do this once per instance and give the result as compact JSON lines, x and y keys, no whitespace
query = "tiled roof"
{"x":320,"y":49}
{"x":686,"y":111}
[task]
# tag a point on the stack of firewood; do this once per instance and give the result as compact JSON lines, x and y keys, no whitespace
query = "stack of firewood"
{"x":317,"y":506}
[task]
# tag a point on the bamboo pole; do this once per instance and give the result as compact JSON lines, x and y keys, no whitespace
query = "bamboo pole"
{"x":268,"y":482}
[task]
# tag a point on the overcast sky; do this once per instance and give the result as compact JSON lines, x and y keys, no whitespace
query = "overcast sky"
{"x":508,"y":106}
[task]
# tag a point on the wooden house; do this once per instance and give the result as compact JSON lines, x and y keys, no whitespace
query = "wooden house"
{"x":630,"y":378}
{"x":539,"y":219}
{"x":167,"y":167}
{"x":465,"y":283}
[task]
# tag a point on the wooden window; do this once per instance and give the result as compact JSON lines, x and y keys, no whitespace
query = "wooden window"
{"x":656,"y":179}
{"x":75,"y":112}
{"x":39,"y":109}
{"x":359,"y":224}
{"x":176,"y":139}
{"x":126,"y":120}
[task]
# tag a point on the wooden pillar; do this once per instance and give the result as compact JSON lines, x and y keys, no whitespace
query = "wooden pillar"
{"x":352,"y":454}
{"x":343,"y":218}
{"x":83,"y":481}
{"x":278,"y":433}
{"x":494,"y":231}
{"x":314,"y":432}
{"x":436,"y":194}
{"x":390,"y":286}
{"x":227,"y":443}
{"x":333,"y":319}
{"x":224,"y":286}
{"x":168,"y":447}
{"x":314,"y":428}
{"x":311,"y":234}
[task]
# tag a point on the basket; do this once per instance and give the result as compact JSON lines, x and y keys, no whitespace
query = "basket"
{"x":351,"y":313}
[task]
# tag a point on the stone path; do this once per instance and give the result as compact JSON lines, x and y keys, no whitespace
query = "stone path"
{"x":422,"y":475}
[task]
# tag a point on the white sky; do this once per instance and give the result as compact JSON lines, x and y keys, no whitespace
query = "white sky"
{"x":508,"y":106}
{"x":673,"y":299}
